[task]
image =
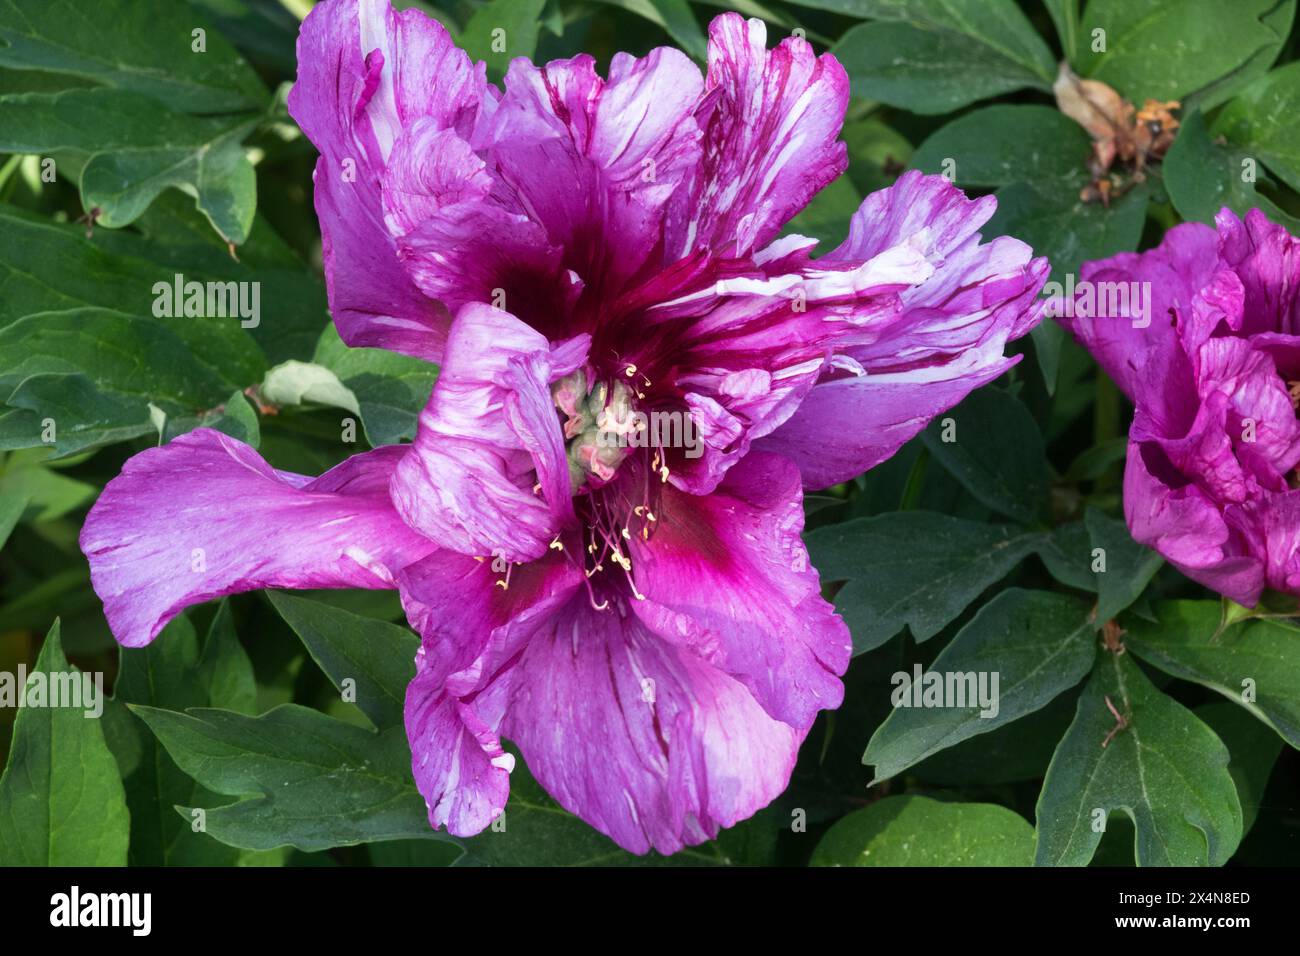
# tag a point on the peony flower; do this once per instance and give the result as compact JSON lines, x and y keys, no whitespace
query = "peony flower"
{"x":1211,"y":362}
{"x":596,"y":531}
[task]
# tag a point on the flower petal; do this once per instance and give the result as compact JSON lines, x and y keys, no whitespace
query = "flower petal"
{"x":896,"y":371}
{"x":727,"y":577}
{"x":1128,"y":346}
{"x":459,"y":765}
{"x":1179,"y":520}
{"x":594,"y":161}
{"x":470,"y":629}
{"x":488,"y":434}
{"x":205,"y":516}
{"x":646,"y":742}
{"x":771,"y":121}
{"x":365,"y":73}
{"x":429,"y":169}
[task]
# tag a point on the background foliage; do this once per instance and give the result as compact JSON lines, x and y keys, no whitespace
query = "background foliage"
{"x":968,"y":556}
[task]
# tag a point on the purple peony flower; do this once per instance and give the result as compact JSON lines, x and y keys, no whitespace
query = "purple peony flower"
{"x":597,"y":529}
{"x":1211,"y":360}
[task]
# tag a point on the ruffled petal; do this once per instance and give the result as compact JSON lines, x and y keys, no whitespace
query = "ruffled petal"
{"x":593,"y":161}
{"x":645,"y":741}
{"x":1266,"y":258}
{"x":749,"y":347}
{"x":727,"y":577}
{"x":488,"y":435}
{"x":1132,"y":341}
{"x":459,"y":765}
{"x":205,"y":516}
{"x":471,"y":628}
{"x":366,"y":73}
{"x":771,"y":122}
{"x":898,"y":369}
{"x":1187,"y":527}
{"x":852,"y":423}
{"x":430,"y":168}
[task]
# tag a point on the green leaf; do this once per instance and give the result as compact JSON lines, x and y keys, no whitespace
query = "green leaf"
{"x":295,"y":383}
{"x":918,"y":831}
{"x":1253,"y":663}
{"x":1278,"y":21}
{"x":82,"y":416}
{"x":1261,"y":122}
{"x":501,"y":30}
{"x":379,"y":658}
{"x":826,"y":217}
{"x":420,"y":853}
{"x":1202,"y":177}
{"x":83,"y":347}
{"x":134,"y":148}
{"x":49,"y":493}
{"x":225,"y":671}
{"x":1165,"y":769}
{"x":1037,"y":645}
{"x":994,"y":448}
{"x":1067,"y":555}
{"x":390,"y":389}
{"x":1211,"y":40}
{"x":875,"y":150}
{"x":307,"y":780}
{"x":1000,"y":145}
{"x":1052,"y":219}
{"x":675,"y":18}
{"x":1065,"y":17}
{"x":121,"y":184}
{"x":1253,"y":749}
{"x":913,"y":568}
{"x":1014,"y":753}
{"x":171,"y":672}
{"x":12,"y":506}
{"x":934,"y":56}
{"x":61,"y":800}
{"x":127,"y":45}
{"x":235,"y":417}
{"x":1129,"y":566}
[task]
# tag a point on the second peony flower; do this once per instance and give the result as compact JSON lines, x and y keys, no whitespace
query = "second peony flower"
{"x":1212,"y":364}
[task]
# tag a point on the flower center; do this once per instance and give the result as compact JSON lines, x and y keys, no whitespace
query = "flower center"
{"x":601,"y":427}
{"x":608,"y":438}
